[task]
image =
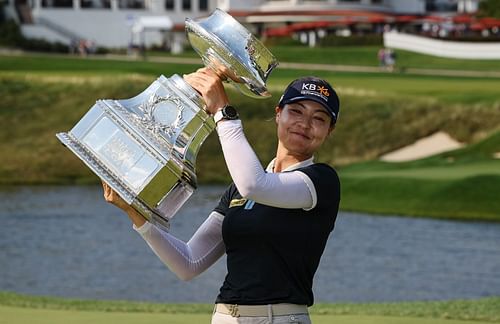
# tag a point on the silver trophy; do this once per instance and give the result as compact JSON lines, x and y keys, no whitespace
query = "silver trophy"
{"x":145,"y":147}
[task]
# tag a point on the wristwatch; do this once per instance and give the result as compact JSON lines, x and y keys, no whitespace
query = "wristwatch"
{"x":227,"y":113}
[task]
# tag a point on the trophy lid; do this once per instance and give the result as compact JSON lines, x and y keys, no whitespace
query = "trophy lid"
{"x":232,"y":52}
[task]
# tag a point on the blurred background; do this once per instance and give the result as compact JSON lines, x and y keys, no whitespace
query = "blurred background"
{"x":417,"y":145}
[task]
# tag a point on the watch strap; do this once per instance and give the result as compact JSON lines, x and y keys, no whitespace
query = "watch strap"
{"x":218,"y":116}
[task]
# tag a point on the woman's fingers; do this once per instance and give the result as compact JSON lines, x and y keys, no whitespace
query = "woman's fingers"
{"x":110,"y":195}
{"x":196,"y":81}
{"x":114,"y":198}
{"x":105,"y":188}
{"x":209,"y":85}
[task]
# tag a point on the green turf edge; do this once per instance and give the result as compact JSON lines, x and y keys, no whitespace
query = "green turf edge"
{"x":468,"y":199}
{"x":483,"y":309}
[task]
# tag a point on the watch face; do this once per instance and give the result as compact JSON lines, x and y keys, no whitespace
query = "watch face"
{"x":230,"y":112}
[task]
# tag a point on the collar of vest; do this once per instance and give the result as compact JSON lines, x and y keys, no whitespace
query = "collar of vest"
{"x":270,"y":166}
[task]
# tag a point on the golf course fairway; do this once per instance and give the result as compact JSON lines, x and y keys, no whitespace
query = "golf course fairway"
{"x":17,"y":315}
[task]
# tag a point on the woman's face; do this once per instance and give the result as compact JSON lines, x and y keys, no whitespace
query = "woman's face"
{"x":303,"y":126}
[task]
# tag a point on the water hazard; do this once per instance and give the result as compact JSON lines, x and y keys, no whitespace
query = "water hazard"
{"x":66,"y":241}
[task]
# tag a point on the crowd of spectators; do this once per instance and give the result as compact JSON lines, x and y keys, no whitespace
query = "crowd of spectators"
{"x":82,"y":47}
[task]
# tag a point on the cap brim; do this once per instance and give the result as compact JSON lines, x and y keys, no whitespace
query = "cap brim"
{"x":318,"y":100}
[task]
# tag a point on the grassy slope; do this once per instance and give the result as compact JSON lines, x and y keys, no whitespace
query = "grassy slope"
{"x":43,"y":95}
{"x":37,"y":105}
{"x":461,"y":184}
{"x":485,"y":309}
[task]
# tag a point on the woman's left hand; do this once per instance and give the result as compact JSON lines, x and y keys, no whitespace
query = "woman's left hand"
{"x":210,"y":86}
{"x":113,"y":198}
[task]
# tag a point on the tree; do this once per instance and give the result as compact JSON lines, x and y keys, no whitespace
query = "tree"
{"x":489,"y":8}
{"x":3,"y":3}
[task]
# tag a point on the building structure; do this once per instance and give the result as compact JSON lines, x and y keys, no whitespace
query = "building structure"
{"x":117,"y":23}
{"x":109,"y":23}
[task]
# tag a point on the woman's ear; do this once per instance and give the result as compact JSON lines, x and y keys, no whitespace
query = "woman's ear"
{"x":332,"y":128}
{"x":277,"y":109}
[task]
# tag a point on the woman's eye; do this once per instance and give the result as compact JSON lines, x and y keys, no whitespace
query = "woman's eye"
{"x":296,"y":111}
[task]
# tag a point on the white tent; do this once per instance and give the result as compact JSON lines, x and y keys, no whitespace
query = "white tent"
{"x":141,"y":25}
{"x":160,"y":23}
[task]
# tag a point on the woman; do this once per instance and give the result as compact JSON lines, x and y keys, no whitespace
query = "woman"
{"x":273,"y":224}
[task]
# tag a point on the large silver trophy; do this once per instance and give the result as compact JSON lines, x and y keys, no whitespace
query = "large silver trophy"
{"x":145,"y":147}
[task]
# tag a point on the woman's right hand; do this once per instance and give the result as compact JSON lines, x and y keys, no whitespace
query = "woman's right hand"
{"x":210,"y":86}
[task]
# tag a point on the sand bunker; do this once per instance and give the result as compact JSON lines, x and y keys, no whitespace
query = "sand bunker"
{"x":434,"y":144}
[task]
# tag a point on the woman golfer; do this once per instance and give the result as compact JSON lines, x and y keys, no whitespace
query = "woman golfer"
{"x":272,"y":223}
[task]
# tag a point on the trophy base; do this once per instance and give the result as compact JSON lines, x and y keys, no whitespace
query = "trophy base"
{"x":165,"y":208}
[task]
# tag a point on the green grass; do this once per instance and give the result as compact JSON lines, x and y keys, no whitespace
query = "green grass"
{"x":12,"y":315}
{"x":472,"y":198}
{"x":35,"y":106}
{"x":380,"y":112}
{"x":452,"y":171}
{"x":62,"y":64}
{"x":365,"y":56}
{"x":448,"y":89}
{"x":20,"y":308}
{"x":461,"y":184}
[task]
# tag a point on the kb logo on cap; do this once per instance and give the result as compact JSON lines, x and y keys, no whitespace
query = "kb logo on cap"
{"x":314,"y":87}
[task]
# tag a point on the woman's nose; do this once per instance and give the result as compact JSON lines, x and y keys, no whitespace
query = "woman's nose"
{"x":305,"y":121}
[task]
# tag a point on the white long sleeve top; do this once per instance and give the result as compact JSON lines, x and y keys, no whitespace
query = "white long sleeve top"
{"x":287,"y":189}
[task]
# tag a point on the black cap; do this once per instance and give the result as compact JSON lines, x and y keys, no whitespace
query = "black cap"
{"x":315,"y":89}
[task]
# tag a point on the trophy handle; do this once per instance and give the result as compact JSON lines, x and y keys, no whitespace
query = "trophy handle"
{"x":219,"y":65}
{"x":232,"y":52}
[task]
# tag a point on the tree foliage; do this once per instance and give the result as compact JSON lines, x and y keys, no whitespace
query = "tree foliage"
{"x":489,"y":8}
{"x":10,"y":33}
{"x":2,"y":10}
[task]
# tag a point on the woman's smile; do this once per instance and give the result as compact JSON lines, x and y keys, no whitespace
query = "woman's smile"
{"x":300,"y":134}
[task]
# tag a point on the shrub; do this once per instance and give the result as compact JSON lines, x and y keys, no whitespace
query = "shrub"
{"x":41,"y":45}
{"x":2,"y":11}
{"x":281,"y":41}
{"x":329,"y":40}
{"x":10,"y":33}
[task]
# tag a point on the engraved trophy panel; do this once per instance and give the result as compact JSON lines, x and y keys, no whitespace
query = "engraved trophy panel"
{"x":145,"y":147}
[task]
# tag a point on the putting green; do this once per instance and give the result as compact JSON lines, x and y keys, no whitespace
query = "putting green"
{"x":16,"y":315}
{"x":441,"y":172}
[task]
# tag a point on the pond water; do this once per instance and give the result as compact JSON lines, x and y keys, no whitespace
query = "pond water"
{"x":66,"y":241}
